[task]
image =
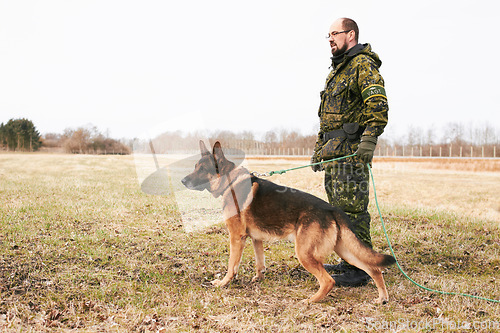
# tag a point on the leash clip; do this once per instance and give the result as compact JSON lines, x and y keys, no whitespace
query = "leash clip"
{"x":257,"y":174}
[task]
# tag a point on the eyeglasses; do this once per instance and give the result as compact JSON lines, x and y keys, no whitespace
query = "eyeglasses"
{"x":335,"y":33}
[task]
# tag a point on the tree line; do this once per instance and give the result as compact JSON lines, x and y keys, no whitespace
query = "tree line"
{"x":245,"y":140}
{"x":19,"y":135}
{"x":86,"y":140}
{"x":22,"y":135}
{"x":453,"y":139}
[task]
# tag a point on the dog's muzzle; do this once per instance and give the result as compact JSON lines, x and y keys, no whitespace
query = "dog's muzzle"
{"x":188,"y":183}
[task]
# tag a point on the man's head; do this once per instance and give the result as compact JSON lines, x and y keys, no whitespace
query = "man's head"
{"x":343,"y":35}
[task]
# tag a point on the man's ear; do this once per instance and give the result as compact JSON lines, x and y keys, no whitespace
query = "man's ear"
{"x":203,"y":148}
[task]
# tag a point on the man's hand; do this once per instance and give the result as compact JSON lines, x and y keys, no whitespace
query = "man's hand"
{"x":315,"y":159}
{"x":366,"y":148}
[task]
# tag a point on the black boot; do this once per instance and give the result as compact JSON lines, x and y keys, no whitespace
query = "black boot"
{"x":339,"y":268}
{"x":352,"y":278}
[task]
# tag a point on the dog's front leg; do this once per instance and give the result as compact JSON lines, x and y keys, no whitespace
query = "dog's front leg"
{"x":260,"y":265}
{"x":237,"y":244}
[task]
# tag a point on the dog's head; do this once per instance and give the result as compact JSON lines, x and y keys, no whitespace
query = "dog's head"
{"x":210,"y":172}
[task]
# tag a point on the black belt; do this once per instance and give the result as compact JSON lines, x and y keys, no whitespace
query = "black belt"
{"x":334,"y":134}
{"x":351,"y":131}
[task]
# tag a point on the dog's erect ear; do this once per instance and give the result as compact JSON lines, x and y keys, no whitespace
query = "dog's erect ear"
{"x":217,"y":151}
{"x":203,"y":149}
{"x":222,"y":165}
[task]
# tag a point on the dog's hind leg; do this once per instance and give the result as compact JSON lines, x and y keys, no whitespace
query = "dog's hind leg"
{"x":378,"y":278}
{"x":342,"y":249}
{"x":306,"y":254}
{"x":260,"y":265}
{"x":316,"y":268}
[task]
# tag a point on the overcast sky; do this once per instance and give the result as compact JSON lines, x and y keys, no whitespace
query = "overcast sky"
{"x":129,"y":66}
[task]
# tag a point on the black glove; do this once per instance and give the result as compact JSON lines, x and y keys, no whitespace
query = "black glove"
{"x":315,"y":159}
{"x":366,"y":148}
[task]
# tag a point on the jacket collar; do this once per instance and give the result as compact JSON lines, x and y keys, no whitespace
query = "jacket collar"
{"x":348,"y":55}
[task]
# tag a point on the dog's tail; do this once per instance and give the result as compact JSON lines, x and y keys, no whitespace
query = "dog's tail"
{"x":354,"y":251}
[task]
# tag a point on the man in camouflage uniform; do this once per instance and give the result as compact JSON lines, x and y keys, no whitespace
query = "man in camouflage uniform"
{"x":353,"y":113}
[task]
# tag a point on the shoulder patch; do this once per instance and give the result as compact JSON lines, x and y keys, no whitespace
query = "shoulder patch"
{"x":375,"y":90}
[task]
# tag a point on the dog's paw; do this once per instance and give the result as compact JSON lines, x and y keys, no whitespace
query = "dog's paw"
{"x":257,"y":278}
{"x":221,"y":283}
{"x":217,"y":283}
{"x":306,"y":301}
{"x":380,"y":300}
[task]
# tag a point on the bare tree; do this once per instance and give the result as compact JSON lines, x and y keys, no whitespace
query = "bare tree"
{"x":91,"y":141}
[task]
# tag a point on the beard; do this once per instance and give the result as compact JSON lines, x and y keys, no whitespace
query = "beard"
{"x":339,"y":51}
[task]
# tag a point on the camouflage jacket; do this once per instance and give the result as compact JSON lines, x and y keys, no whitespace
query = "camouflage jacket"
{"x":354,"y":93}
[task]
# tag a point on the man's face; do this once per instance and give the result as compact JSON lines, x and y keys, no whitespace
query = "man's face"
{"x":338,"y":43}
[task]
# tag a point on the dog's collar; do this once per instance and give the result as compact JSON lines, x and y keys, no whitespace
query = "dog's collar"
{"x":234,"y":192}
{"x":232,"y":180}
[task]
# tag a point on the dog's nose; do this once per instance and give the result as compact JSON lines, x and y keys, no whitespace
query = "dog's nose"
{"x":185,"y":182}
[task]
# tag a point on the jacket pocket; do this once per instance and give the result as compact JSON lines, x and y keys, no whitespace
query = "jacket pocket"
{"x":335,"y":99}
{"x":352,"y":131}
{"x":333,"y":148}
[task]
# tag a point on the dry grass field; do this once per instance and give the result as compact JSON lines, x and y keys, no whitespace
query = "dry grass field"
{"x":455,"y":187}
{"x":83,"y":249}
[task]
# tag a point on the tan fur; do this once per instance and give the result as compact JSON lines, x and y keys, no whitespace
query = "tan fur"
{"x":272,"y":213}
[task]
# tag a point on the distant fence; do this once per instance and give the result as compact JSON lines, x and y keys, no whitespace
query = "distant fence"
{"x":383,"y":151}
{"x":438,"y":151}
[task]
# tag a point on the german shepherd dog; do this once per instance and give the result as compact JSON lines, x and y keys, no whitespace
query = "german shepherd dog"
{"x":262,"y":210}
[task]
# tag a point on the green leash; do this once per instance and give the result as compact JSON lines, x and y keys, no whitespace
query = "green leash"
{"x":397,"y":262}
{"x":280,"y":172}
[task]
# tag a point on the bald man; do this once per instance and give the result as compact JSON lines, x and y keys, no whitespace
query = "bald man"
{"x":353,"y":113}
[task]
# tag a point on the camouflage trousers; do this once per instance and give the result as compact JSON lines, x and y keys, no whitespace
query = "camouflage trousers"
{"x":347,"y":186}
